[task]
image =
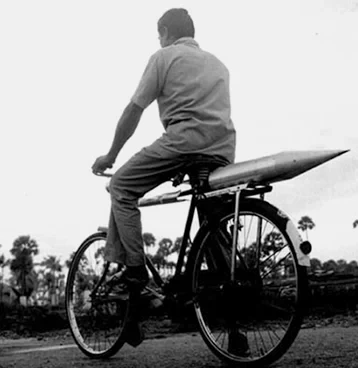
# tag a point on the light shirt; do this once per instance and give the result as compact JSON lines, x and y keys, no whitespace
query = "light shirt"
{"x":191,"y":87}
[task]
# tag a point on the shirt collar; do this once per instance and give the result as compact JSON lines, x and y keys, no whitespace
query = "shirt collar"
{"x":189,"y":41}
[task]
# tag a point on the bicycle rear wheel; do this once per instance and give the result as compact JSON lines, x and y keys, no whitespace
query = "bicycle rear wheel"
{"x":254,"y":319}
{"x":96,"y":314}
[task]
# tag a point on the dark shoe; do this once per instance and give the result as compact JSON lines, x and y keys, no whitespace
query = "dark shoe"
{"x":132,"y":278}
{"x":131,"y":281}
{"x":115,"y":287}
{"x":238,"y":344}
{"x":136,"y":277}
{"x":134,"y":334}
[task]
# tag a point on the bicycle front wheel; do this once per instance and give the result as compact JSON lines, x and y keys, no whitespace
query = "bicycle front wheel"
{"x":250,"y":319}
{"x":96,"y":314}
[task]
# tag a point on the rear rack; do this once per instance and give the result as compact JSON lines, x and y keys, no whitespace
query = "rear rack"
{"x":256,"y":190}
{"x":247,"y":190}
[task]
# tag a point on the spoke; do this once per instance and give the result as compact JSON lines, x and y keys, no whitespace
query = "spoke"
{"x":220,"y":334}
{"x":263,"y":231}
{"x":223,"y":344}
{"x":270,"y":338}
{"x":226,"y":238}
{"x":109,"y":342}
{"x":274,"y":254}
{"x":256,"y":341}
{"x":90,"y":260}
{"x":246,"y":236}
{"x":276,"y":265}
{"x":262,"y":340}
{"x":244,"y":230}
{"x":274,"y":333}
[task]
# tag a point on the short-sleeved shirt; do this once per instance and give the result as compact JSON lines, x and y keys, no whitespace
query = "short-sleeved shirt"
{"x":191,"y":87}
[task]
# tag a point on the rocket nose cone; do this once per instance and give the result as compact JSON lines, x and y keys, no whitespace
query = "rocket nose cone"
{"x":320,"y":156}
{"x":302,"y":161}
{"x":339,"y":152}
{"x":329,"y":154}
{"x":342,"y":151}
{"x":314,"y":157}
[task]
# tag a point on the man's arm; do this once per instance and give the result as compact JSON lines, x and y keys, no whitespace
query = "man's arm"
{"x":126,"y":126}
{"x":147,"y":91}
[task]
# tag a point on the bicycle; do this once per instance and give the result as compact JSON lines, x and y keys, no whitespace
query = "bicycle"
{"x":244,"y":275}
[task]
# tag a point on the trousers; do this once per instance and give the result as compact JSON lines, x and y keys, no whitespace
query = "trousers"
{"x":146,"y":170}
{"x":150,"y":167}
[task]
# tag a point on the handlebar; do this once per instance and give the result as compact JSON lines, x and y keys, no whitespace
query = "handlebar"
{"x":106,"y":175}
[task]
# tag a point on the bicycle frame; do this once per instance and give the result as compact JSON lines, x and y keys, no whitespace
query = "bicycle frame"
{"x":237,"y":191}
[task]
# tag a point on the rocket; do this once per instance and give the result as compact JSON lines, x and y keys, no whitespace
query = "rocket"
{"x":269,"y":169}
{"x":261,"y":171}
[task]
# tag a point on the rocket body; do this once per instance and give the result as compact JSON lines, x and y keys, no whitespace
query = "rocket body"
{"x":261,"y":171}
{"x":270,"y":169}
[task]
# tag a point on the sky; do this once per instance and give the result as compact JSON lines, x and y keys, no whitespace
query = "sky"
{"x":69,"y":68}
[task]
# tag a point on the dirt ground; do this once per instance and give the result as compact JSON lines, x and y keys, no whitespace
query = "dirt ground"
{"x":329,"y":343}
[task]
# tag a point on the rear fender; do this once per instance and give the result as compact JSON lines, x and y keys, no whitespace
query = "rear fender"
{"x":303,"y":259}
{"x":291,"y":230}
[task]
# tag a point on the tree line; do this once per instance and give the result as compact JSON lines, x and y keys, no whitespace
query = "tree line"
{"x":46,"y":280}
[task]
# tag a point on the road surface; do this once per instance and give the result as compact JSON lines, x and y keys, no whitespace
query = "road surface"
{"x":328,"y":347}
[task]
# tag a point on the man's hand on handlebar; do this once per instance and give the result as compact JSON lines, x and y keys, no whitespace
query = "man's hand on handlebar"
{"x":101,"y":164}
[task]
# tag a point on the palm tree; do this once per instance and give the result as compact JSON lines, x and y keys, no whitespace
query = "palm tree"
{"x":273,"y":242}
{"x":84,"y":275}
{"x":330,"y":265}
{"x":22,"y":267}
{"x":316,"y":265}
{"x":149,"y":240}
{"x":305,"y":224}
{"x":178,"y":244}
{"x":3,"y":263}
{"x":352,"y":267}
{"x":52,"y":274}
{"x":177,"y":247}
{"x":160,"y":259}
{"x":273,"y":264}
{"x":69,"y":260}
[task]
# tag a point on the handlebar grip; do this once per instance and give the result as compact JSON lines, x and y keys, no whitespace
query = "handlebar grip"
{"x":106,"y":175}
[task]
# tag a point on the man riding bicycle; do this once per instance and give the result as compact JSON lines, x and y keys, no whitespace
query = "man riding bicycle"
{"x":191,"y":87}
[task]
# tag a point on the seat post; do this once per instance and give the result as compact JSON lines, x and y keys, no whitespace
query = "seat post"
{"x":199,"y":176}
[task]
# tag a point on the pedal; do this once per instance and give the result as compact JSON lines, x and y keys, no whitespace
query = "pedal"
{"x":156,"y":300}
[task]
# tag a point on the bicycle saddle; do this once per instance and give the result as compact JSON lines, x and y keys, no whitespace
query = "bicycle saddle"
{"x":198,"y":168}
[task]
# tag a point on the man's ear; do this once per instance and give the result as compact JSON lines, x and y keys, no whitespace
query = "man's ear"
{"x":164,"y":31}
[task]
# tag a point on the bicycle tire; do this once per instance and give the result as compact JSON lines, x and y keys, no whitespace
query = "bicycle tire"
{"x":96,"y":317}
{"x":218,"y":302}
